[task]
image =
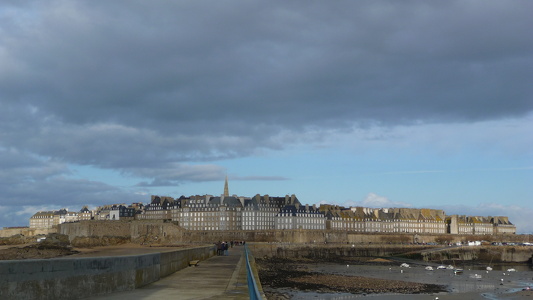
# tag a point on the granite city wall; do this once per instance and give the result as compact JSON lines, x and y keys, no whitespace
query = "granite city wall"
{"x":328,"y":251}
{"x":166,"y":232}
{"x":493,"y":254}
{"x":77,"y":278}
{"x":26,"y":231}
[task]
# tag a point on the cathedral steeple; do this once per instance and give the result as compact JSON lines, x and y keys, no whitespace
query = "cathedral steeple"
{"x":226,"y":189}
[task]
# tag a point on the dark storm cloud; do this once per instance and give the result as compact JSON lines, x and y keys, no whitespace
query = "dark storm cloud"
{"x":29,"y":180}
{"x":30,"y":183}
{"x":172,"y":174}
{"x":189,"y":66}
{"x":141,"y":85}
{"x":19,"y":168}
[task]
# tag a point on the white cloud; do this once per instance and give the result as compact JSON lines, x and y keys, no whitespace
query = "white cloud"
{"x":377,"y":201}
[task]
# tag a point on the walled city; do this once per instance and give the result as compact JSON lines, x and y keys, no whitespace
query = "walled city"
{"x":209,"y":213}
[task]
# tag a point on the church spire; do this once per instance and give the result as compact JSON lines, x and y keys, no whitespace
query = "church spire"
{"x":226,"y":189}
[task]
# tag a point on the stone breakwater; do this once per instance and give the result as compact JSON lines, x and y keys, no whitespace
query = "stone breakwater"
{"x":293,"y":274}
{"x":76,"y":278}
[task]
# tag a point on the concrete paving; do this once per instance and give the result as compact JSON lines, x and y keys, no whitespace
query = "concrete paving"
{"x":219,"y":277}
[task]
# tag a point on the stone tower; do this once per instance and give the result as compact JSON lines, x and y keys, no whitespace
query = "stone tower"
{"x":226,"y":189}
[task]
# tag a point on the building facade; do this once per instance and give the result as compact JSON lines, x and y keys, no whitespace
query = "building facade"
{"x":477,"y":225}
{"x":49,"y":219}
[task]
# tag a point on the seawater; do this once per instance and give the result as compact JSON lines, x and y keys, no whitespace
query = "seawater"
{"x":476,"y":281}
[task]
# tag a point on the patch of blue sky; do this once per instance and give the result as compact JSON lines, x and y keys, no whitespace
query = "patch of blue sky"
{"x":421,"y":179}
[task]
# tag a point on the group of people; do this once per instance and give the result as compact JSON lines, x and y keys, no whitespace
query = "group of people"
{"x":223,"y":247}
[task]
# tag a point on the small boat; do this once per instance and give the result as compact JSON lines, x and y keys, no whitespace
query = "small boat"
{"x":450,"y":267}
{"x":458,"y":271}
{"x":489,"y":268}
{"x":441,"y":267}
{"x":429,"y":268}
{"x":404,"y":265}
{"x":511,"y":270}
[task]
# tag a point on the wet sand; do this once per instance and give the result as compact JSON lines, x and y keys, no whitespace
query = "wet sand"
{"x":475,"y":282}
{"x":450,"y":296}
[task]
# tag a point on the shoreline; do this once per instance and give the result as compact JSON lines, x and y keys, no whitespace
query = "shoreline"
{"x":378,"y":279}
{"x":284,"y":273}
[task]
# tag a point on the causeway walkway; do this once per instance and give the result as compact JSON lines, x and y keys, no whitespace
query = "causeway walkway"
{"x":219,"y":277}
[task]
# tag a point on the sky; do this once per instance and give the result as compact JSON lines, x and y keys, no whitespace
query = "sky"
{"x":422,"y":104}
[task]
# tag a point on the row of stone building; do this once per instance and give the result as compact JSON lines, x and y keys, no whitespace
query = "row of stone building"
{"x":49,"y":219}
{"x":208,"y":213}
{"x":412,"y":220}
{"x":235,"y":213}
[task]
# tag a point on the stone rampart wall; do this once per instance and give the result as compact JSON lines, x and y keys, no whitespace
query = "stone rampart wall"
{"x":95,"y":228}
{"x":493,"y":254}
{"x":162,"y":232}
{"x":25,"y":231}
{"x":328,"y":251}
{"x":76,"y":278}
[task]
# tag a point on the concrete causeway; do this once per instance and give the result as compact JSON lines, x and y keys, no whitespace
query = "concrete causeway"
{"x":218,"y":277}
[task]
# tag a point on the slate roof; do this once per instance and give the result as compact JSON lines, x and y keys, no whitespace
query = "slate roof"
{"x":230,"y":201}
{"x":293,"y":210}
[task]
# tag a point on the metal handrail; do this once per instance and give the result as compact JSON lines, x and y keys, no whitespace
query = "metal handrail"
{"x":253,"y":290}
